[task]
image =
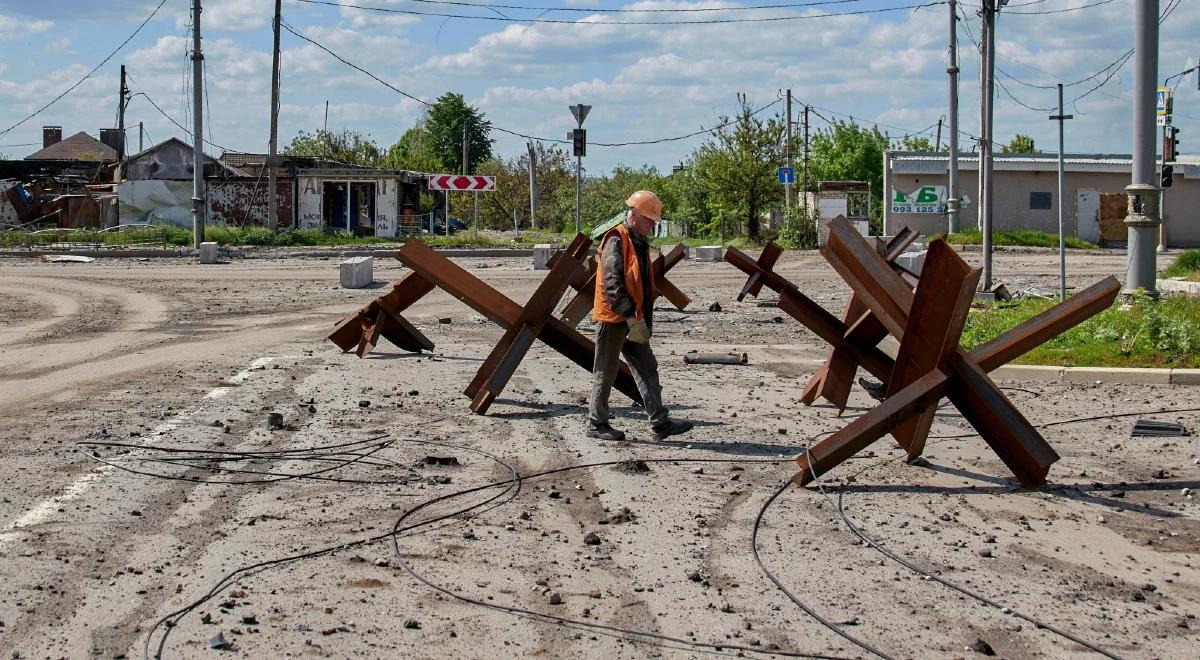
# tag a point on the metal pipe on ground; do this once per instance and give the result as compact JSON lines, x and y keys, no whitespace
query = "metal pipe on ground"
{"x":715,"y":358}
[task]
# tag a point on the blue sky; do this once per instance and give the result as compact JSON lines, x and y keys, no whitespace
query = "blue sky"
{"x":645,"y":82}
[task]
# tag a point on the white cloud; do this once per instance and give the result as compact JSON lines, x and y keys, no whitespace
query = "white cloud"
{"x":13,"y":28}
{"x":231,"y":15}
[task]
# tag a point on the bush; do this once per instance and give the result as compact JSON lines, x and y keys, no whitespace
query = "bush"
{"x":1187,"y":264}
{"x":799,"y":232}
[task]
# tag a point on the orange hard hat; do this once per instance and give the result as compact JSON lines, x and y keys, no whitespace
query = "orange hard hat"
{"x":646,"y":203}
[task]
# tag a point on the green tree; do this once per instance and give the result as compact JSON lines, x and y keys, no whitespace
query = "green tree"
{"x":347,"y":146}
{"x":1020,"y":144}
{"x":846,"y":151}
{"x":737,"y":165}
{"x":414,"y":151}
{"x":444,"y":122}
{"x":915,"y":143}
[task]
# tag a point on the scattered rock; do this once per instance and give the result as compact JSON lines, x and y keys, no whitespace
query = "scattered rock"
{"x":622,"y":516}
{"x":218,"y":642}
{"x":633,"y":467}
{"x":364,"y":404}
{"x":250,"y":620}
{"x":983,"y":647}
{"x":555,"y":598}
{"x":592,"y":538}
{"x":445,"y":320}
{"x":274,"y":420}
{"x":412,"y":624}
{"x":985,"y":552}
{"x":715,"y":307}
{"x":440,"y":460}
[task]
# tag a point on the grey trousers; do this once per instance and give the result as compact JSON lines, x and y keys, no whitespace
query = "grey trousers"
{"x":610,"y":346}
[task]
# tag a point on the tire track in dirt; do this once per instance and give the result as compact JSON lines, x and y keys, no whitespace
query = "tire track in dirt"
{"x":51,"y":308}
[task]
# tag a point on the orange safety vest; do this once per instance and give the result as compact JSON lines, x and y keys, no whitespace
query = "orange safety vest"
{"x":602,"y":312}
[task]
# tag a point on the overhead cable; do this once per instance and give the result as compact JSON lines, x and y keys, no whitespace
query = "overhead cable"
{"x":89,"y":74}
{"x":559,"y":21}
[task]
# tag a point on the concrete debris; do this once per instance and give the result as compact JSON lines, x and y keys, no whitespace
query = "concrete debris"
{"x":219,"y":642}
{"x":980,"y":646}
{"x":66,"y":259}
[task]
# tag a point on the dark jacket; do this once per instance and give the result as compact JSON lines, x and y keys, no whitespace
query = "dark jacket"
{"x":613,"y":277}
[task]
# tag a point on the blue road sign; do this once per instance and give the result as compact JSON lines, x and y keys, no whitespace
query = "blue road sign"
{"x":787,"y":174}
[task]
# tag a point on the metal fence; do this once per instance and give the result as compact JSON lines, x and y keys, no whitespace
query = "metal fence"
{"x":64,"y":239}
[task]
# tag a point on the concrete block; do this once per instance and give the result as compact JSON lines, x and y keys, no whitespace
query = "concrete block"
{"x":1185,"y":376}
{"x":913,"y":261}
{"x":542,"y":253}
{"x":357,"y":272}
{"x":1128,"y":375}
{"x":1179,"y":286}
{"x":710,"y":253}
{"x":208,"y":253}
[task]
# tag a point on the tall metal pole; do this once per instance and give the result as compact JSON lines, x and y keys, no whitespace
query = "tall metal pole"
{"x":1062,"y":200}
{"x":952,"y":70}
{"x":987,"y":91}
{"x":197,"y":130}
{"x":787,"y":186}
{"x":937,"y":145}
{"x":141,"y":136}
{"x":1143,"y":221}
{"x":533,"y":185}
{"x":804,"y":181}
{"x":1167,"y":146}
{"x":124,"y":92}
{"x":578,"y":191}
{"x":272,"y":191}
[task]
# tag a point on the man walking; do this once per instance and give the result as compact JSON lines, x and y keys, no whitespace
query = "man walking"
{"x":624,"y":316}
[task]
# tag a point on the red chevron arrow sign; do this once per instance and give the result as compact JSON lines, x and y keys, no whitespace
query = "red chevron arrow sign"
{"x":461,"y":182}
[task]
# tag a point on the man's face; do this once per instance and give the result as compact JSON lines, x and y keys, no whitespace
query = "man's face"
{"x":640,"y":223}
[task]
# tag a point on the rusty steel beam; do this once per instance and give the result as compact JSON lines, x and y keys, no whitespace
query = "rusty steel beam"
{"x":930,"y":364}
{"x":479,"y":296}
{"x":360,"y":331}
{"x":938,"y":314}
{"x":506,"y":356}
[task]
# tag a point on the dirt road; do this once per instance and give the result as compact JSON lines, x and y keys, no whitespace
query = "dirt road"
{"x":139,"y":474}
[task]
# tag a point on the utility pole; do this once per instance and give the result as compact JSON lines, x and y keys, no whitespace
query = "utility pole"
{"x":952,"y":71}
{"x":533,"y":185}
{"x":937,"y":145}
{"x":141,"y":136}
{"x":197,"y":130}
{"x":804,"y":180}
{"x":787,"y":186}
{"x":1143,"y":221}
{"x":272,"y":202}
{"x":987,"y":63}
{"x":326,"y":126}
{"x":466,"y":169}
{"x":1062,"y":248}
{"x":124,"y":94}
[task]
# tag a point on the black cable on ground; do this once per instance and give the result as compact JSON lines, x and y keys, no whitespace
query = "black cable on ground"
{"x":633,"y":635}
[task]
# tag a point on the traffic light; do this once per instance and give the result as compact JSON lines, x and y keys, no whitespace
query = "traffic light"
{"x":579,"y":140}
{"x":1168,"y":172}
{"x":1170,"y":144}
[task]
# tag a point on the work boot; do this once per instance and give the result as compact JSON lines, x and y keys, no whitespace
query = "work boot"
{"x":604,"y":432}
{"x":671,"y":427}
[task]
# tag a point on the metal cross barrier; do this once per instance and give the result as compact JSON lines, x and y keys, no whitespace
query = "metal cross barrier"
{"x":929,"y":364}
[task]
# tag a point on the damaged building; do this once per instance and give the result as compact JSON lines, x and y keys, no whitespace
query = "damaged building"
{"x":66,"y":183}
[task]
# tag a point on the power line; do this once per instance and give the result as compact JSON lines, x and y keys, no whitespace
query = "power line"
{"x":188,"y":133}
{"x":89,"y":73}
{"x":586,"y":10}
{"x":1058,"y":11}
{"x":422,"y":101}
{"x":506,"y":19}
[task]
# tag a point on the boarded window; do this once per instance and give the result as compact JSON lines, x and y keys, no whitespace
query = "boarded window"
{"x":1040,"y":201}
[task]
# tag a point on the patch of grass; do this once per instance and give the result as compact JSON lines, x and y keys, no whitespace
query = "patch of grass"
{"x":1149,"y":333}
{"x":739,"y":242}
{"x":1017,"y":237}
{"x":1186,"y":265}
